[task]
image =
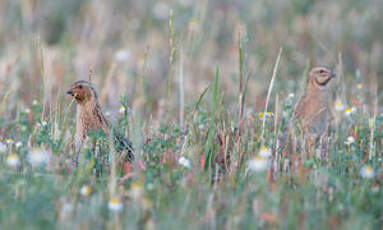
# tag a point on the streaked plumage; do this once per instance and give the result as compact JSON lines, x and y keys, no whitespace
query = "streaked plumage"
{"x":90,"y":117}
{"x":311,"y":111}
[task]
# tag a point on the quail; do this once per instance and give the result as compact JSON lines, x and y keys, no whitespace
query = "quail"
{"x":311,"y":111}
{"x":90,"y":118}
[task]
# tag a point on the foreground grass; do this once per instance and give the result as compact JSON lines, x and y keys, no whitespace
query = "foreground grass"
{"x":42,"y":188}
{"x":205,"y":153}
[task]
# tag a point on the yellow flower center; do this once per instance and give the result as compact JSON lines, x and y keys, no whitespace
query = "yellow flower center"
{"x":114,"y":200}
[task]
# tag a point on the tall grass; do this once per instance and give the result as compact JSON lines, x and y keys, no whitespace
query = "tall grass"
{"x":207,"y":155}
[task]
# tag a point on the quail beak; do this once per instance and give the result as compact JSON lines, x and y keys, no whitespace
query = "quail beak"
{"x":70,"y":92}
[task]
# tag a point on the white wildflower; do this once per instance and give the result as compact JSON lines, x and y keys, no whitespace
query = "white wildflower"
{"x":257,"y":164}
{"x":136,"y":190}
{"x":85,"y":190}
{"x":359,"y":86}
{"x":367,"y":172}
{"x":13,"y":160}
{"x":19,"y":144}
{"x":150,"y":186}
{"x":38,"y":157}
{"x":115,"y":205}
{"x":10,"y":141}
{"x":122,"y":109}
{"x":27,"y":111}
{"x":339,"y":106}
{"x":265,"y":152}
{"x":350,"y":140}
{"x":262,"y":116}
{"x":349,"y":111}
{"x":122,"y":55}
{"x":184,"y":162}
{"x":3,"y":147}
{"x":42,"y":124}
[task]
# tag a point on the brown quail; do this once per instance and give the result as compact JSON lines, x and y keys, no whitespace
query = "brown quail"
{"x":311,"y":111}
{"x":90,"y":117}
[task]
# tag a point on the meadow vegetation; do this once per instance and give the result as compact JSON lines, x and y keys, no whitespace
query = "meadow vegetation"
{"x":203,"y":90}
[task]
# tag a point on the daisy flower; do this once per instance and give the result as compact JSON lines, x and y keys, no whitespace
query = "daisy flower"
{"x":257,"y":164}
{"x":350,"y":140}
{"x":19,"y":144}
{"x":38,"y":157}
{"x":10,"y":141}
{"x":359,"y":86}
{"x":339,"y":106}
{"x":265,"y":152}
{"x":367,"y":172}
{"x":13,"y":160}
{"x":184,"y":162}
{"x":85,"y":190}
{"x":115,"y":205}
{"x":290,"y":96}
{"x":122,"y":109}
{"x":349,"y":111}
{"x":262,"y":116}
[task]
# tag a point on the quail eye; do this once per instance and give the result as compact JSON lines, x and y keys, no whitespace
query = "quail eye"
{"x":80,"y":86}
{"x":321,"y":71}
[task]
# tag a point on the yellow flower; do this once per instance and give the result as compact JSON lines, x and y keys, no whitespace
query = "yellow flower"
{"x":122,"y":109}
{"x":360,"y":86}
{"x":261,"y":115}
{"x":349,"y":111}
{"x":10,"y":141}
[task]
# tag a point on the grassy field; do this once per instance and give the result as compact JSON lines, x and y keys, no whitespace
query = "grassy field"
{"x":202,"y":89}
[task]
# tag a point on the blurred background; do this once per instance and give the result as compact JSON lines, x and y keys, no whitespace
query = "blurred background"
{"x":47,"y":44}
